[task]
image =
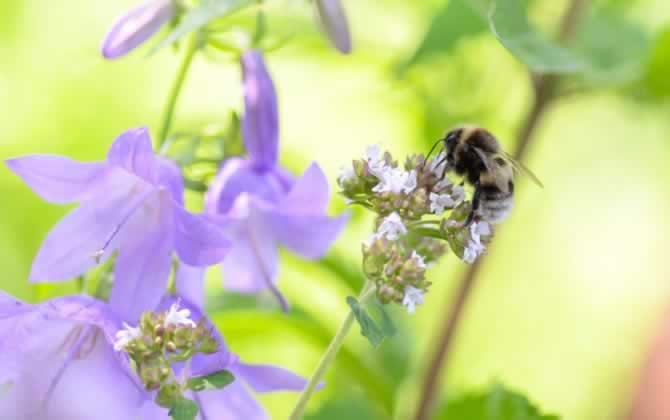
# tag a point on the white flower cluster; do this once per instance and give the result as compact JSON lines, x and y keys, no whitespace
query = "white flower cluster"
{"x":474,"y":248}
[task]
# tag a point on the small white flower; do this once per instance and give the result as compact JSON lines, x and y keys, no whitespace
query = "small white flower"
{"x":347,"y":173}
{"x":413,"y":296}
{"x":419,"y":259}
{"x":392,"y":227}
{"x":475,"y":248}
{"x":438,"y":164}
{"x":458,"y":193}
{"x":395,"y":180}
{"x":438,"y":202}
{"x":125,"y":336}
{"x":375,"y":159}
{"x":443,"y":183}
{"x":178,"y":317}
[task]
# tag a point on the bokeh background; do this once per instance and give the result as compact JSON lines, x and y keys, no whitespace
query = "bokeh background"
{"x":576,"y":282}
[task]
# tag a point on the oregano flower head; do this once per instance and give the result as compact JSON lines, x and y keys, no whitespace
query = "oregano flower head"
{"x":420,"y":215}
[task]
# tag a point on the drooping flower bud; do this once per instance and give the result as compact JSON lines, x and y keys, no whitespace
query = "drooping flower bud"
{"x":334,"y":22}
{"x":136,"y":26}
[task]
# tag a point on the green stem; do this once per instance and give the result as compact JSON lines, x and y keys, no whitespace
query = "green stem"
{"x":175,"y":89}
{"x":328,"y":357}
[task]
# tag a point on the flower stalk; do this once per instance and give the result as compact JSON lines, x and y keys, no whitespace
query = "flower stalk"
{"x":177,"y":85}
{"x":329,"y":356}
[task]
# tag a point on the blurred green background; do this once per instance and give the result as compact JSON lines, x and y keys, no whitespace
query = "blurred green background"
{"x":576,"y":280}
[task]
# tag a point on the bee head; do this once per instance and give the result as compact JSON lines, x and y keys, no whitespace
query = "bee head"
{"x":450,"y":143}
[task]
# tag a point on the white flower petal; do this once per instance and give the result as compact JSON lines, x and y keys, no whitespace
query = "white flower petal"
{"x":419,"y":259}
{"x":177,"y":317}
{"x":413,"y":296}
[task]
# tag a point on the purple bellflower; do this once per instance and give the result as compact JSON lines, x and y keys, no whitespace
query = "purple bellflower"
{"x":131,"y":203}
{"x":57,"y":361}
{"x":136,"y":26}
{"x":259,"y":204}
{"x":333,"y":21}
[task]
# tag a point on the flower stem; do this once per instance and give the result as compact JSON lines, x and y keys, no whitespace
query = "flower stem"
{"x":175,"y":89}
{"x":329,"y":356}
{"x":544,"y":90}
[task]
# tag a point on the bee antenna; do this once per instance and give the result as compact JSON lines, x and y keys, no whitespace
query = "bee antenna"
{"x":430,"y":152}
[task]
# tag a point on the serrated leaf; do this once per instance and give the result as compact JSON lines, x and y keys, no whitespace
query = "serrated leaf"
{"x":656,"y":77}
{"x":369,"y":328}
{"x":183,"y":409}
{"x":456,"y":20}
{"x":200,"y":16}
{"x":509,"y":23}
{"x":497,"y":404}
{"x":614,"y":47}
{"x":216,"y":380}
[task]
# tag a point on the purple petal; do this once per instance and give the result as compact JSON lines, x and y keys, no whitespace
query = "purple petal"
{"x":310,"y":193}
{"x":133,"y":152}
{"x":233,"y":402}
{"x":49,"y":355}
{"x":251,"y":265}
{"x":238,"y":176}
{"x":260,"y":123}
{"x":309,"y":236}
{"x":268,"y":378}
{"x":198,"y":241}
{"x":334,"y":22}
{"x":57,"y":179}
{"x":190,"y":283}
{"x":170,"y":177}
{"x":144,"y":262}
{"x":70,"y":247}
{"x":136,"y":26}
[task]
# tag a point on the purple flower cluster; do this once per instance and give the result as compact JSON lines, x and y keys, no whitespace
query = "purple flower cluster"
{"x":65,"y":358}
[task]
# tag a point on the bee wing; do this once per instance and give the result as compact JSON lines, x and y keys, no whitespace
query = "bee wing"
{"x":519,"y":167}
{"x":493,"y":167}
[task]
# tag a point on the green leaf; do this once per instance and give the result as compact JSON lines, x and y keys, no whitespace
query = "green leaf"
{"x":183,"y":409}
{"x":216,"y":380}
{"x":456,"y":20}
{"x":369,"y":328}
{"x":385,"y":321}
{"x":200,"y":16}
{"x":509,"y":23}
{"x":497,"y":404}
{"x":656,"y":77}
{"x":614,"y":47}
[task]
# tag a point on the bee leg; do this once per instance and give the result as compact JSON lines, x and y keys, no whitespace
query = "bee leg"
{"x":475,"y":204}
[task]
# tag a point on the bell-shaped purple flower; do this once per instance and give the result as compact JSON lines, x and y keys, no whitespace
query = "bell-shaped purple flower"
{"x":259,"y":204}
{"x":131,"y":203}
{"x":57,"y":361}
{"x":136,"y":26}
{"x":333,"y":20}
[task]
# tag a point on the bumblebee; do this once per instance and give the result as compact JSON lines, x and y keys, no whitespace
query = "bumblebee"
{"x":475,"y":154}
